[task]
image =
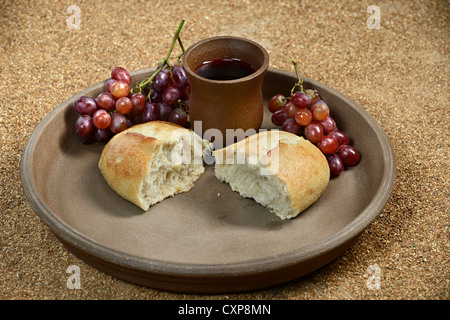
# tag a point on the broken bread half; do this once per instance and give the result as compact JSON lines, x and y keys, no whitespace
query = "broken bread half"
{"x":278,"y":169}
{"x":151,"y":161}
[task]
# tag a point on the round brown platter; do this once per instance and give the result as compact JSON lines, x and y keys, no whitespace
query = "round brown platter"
{"x":210,"y":239}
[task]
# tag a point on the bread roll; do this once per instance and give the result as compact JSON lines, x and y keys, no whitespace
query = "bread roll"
{"x":279,"y":170}
{"x":152,"y":161}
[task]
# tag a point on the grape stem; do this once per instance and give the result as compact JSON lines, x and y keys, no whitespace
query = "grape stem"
{"x":299,"y":84}
{"x":176,"y":37}
{"x":182,"y":48}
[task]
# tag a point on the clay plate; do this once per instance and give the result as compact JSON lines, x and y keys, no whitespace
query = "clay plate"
{"x":208,"y":240}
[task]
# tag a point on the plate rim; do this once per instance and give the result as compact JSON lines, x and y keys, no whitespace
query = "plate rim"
{"x":352,"y":230}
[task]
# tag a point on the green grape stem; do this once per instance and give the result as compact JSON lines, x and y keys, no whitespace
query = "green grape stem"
{"x":300,"y":79}
{"x":165,"y":62}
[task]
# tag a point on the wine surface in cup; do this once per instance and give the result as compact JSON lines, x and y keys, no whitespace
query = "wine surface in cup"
{"x":225,"y":69}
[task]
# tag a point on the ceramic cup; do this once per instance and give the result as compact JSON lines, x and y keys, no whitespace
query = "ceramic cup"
{"x":226,"y":104}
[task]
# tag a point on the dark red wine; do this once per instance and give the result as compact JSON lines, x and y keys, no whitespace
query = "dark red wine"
{"x":224,"y":69}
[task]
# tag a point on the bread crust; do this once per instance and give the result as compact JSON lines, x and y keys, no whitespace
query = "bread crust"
{"x":126,"y":159}
{"x":301,"y":167}
{"x":305,"y":171}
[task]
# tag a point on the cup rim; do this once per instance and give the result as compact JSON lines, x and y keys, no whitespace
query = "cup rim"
{"x":263,"y":68}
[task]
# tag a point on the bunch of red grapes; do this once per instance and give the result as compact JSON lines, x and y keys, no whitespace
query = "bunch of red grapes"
{"x":163,"y":96}
{"x":305,"y":114}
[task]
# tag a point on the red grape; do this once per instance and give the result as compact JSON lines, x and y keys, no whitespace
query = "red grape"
{"x":336,"y":165}
{"x":314,"y":132}
{"x":118,"y":123}
{"x":277,"y":102}
{"x":328,"y":145}
{"x":349,"y":155}
{"x":279,"y":117}
{"x":186,"y":93}
{"x":178,"y":116}
{"x":138,"y":102}
{"x":179,"y":77}
{"x":134,"y":118}
{"x":161,"y":80}
{"x":156,"y":96}
{"x":171,"y":95}
{"x":130,"y":122}
{"x":101,"y":119}
{"x":102,"y":135}
{"x":120,"y":89}
{"x":320,"y":110}
{"x":291,"y":109}
{"x":341,"y":137}
{"x":84,"y":125}
{"x":164,"y":111}
{"x":303,"y":117}
{"x":121,"y":74}
{"x":124,"y":105}
{"x":301,"y":99}
{"x":290,"y":125}
{"x":108,"y":85}
{"x":85,"y":106}
{"x":106,"y":101}
{"x":328,"y":125}
{"x":150,"y":112}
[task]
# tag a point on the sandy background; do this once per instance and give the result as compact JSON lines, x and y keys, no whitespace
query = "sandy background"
{"x":398,"y":73}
